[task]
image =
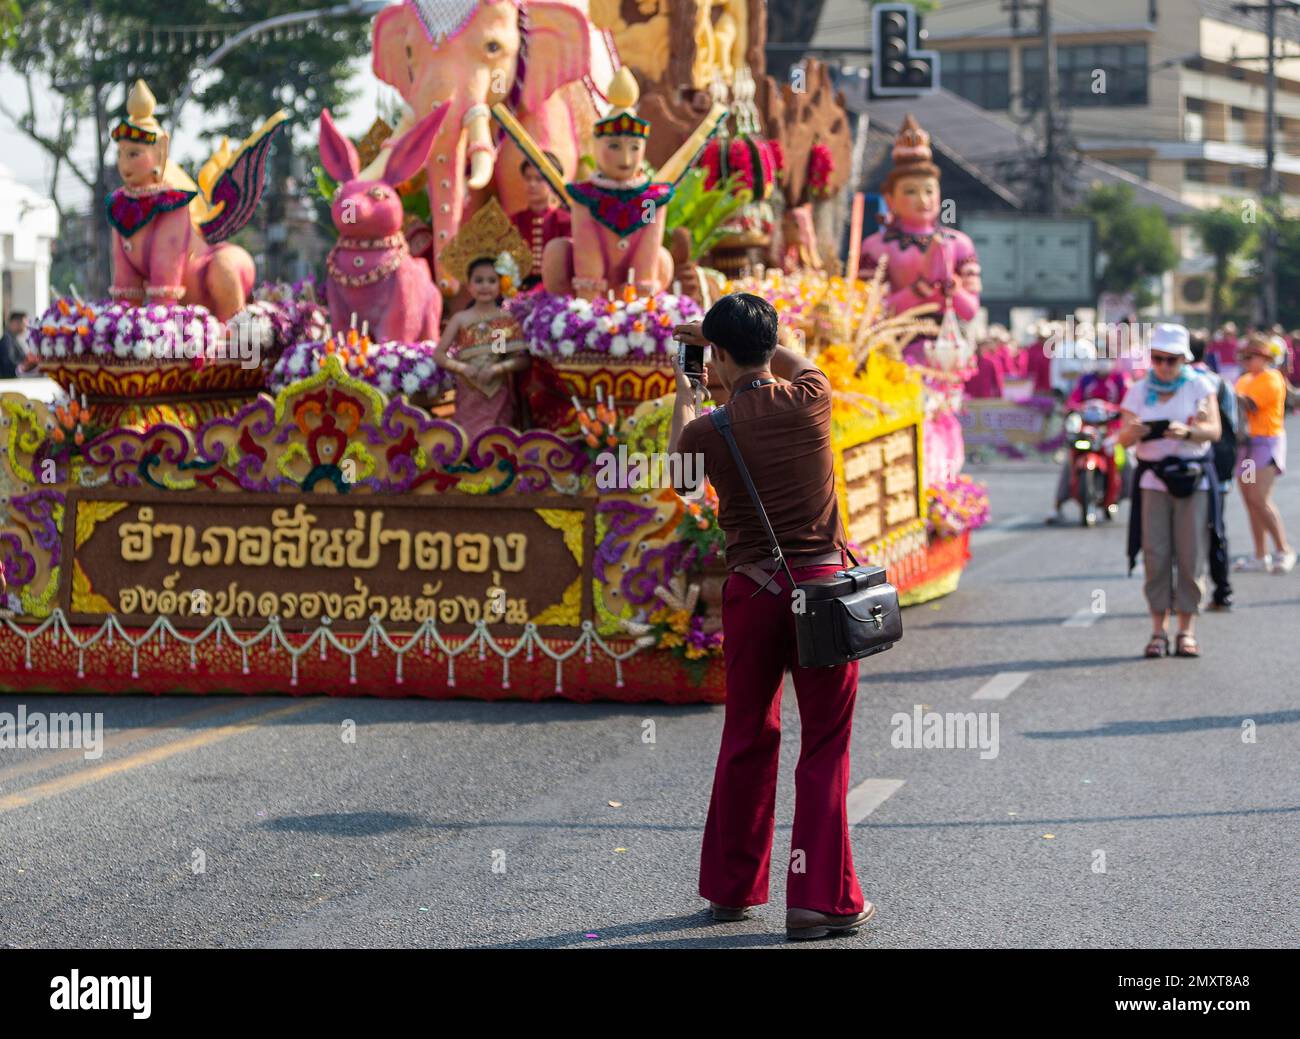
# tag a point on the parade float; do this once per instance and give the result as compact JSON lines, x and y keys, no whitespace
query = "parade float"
{"x":330,"y":511}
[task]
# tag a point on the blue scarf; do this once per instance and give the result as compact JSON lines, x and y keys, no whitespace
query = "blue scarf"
{"x":1157,"y":386}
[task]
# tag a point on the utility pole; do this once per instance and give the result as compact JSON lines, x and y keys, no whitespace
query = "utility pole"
{"x":1051,"y":200}
{"x":1271,"y":188}
{"x":1049,"y":172}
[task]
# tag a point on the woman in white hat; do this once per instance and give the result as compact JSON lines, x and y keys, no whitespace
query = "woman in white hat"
{"x":1172,"y":415}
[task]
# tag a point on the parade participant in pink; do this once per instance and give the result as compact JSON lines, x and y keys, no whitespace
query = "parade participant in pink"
{"x":373,"y":276}
{"x":987,"y":380}
{"x":544,"y":219}
{"x":1038,"y":366}
{"x":1107,"y":383}
{"x":1223,"y":353}
{"x":483,"y":347}
{"x":169,"y":232}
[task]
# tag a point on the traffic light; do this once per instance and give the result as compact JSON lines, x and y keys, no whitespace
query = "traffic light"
{"x":900,"y":68}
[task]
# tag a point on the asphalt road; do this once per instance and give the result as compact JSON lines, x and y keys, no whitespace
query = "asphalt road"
{"x":1123,"y":808}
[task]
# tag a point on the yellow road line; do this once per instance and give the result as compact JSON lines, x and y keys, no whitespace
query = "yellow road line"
{"x":150,"y":756}
{"x":49,"y":759}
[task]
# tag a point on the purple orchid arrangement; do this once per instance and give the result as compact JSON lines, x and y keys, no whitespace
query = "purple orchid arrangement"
{"x":156,"y":331}
{"x":115,"y":331}
{"x":391,"y":368}
{"x":559,"y":327}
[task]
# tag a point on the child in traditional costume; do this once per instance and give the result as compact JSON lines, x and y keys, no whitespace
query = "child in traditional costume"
{"x":482,"y":345}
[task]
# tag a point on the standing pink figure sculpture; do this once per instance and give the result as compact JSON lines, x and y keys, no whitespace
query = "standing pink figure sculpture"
{"x":927,"y":264}
{"x":372,"y":272}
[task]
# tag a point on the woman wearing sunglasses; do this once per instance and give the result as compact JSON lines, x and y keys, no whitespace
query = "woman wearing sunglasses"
{"x":1172,"y":416}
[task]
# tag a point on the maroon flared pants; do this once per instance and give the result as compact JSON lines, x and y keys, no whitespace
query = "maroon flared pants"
{"x":759,"y":646}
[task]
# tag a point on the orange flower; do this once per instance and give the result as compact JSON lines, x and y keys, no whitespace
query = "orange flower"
{"x":702,"y":523}
{"x":79,"y":438}
{"x":612,"y":441}
{"x":329,"y":346}
{"x":591,"y":440}
{"x":58,"y":434}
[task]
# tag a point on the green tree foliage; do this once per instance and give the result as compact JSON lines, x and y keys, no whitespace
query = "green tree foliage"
{"x":1134,"y":240}
{"x":79,"y":57}
{"x":1288,"y":272}
{"x":1223,"y":233}
{"x":10,"y":17}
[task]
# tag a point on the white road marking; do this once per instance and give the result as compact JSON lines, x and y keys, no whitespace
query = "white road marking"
{"x":1001,"y":685}
{"x":1085,"y":617}
{"x":869,"y":795}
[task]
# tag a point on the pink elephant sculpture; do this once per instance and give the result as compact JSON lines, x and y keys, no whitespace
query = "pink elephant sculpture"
{"x":470,"y":55}
{"x":372,"y":273}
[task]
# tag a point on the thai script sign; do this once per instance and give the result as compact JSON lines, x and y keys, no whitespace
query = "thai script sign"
{"x":456,"y":561}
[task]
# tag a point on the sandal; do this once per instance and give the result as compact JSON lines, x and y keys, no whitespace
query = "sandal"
{"x":1158,"y":646}
{"x":1187,"y":645}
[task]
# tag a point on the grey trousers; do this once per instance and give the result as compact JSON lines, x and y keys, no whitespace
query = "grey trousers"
{"x":1175,"y":549}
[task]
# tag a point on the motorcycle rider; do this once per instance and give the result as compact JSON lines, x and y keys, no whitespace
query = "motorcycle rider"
{"x":1103,"y":380}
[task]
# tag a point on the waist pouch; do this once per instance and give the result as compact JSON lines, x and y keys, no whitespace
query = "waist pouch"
{"x":1181,"y":475}
{"x":846,"y":616}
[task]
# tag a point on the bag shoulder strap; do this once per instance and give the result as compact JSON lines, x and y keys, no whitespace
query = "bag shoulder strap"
{"x":722,"y":423}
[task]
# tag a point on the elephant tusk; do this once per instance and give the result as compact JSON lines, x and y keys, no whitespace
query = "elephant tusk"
{"x":482,"y":156}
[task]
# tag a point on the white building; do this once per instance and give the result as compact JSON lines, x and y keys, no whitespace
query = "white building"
{"x":29,"y":223}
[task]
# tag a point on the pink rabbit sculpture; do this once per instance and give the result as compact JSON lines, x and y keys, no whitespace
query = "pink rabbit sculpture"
{"x":372,"y":273}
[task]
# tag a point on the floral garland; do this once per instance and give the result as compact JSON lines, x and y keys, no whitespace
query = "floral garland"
{"x":561,"y":326}
{"x":956,"y":506}
{"x":390,"y":367}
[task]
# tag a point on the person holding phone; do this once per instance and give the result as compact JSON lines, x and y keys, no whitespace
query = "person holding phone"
{"x":1172,"y":417}
{"x":779,"y":404}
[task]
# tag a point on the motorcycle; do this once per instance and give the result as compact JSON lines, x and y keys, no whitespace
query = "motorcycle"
{"x":1096,"y":480}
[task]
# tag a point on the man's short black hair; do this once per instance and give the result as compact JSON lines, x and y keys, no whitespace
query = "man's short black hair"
{"x":743,"y":326}
{"x":16,"y":315}
{"x":1197,"y":343}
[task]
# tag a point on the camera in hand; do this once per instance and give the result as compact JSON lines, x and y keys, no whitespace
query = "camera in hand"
{"x":1156,"y":428}
{"x":691,"y":360}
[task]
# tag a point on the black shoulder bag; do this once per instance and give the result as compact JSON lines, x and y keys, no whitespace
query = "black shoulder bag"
{"x":847,"y":616}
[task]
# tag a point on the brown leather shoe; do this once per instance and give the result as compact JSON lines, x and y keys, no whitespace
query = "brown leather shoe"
{"x":728,"y":914}
{"x":802,"y":924}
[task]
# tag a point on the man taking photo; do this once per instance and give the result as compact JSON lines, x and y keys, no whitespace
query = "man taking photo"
{"x":780,"y":408}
